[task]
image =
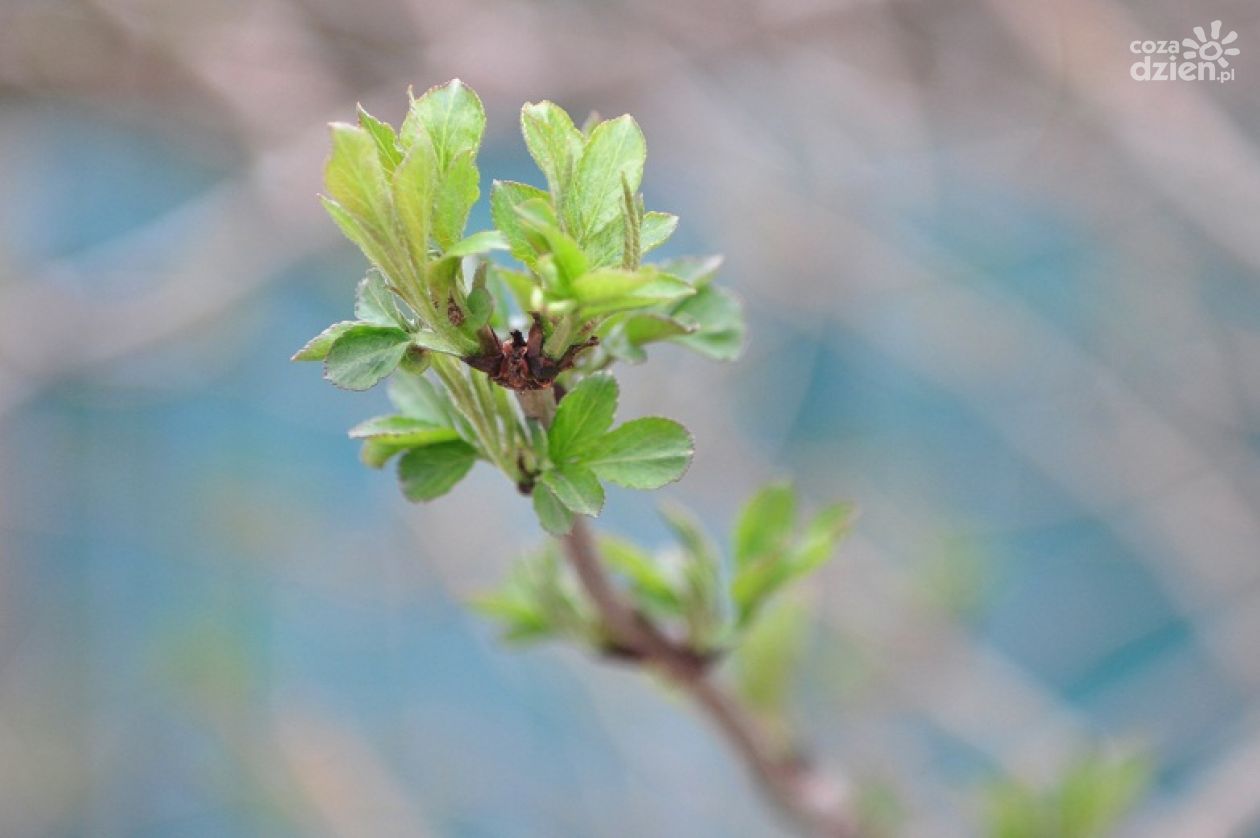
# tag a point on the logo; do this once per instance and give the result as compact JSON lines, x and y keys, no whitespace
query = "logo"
{"x":1205,"y":57}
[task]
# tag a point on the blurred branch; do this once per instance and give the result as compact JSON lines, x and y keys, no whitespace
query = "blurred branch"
{"x":815,"y":800}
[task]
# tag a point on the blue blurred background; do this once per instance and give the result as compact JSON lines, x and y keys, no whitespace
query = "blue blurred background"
{"x":1001,"y":296}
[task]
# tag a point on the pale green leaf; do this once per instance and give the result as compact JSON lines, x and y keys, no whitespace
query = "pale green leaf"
{"x":453,"y":117}
{"x":316,"y":349}
{"x":655,"y":229}
{"x":505,"y":197}
{"x":642,"y":454}
{"x":403,"y":430}
{"x":607,"y":290}
{"x":554,"y":516}
{"x":576,"y":487}
{"x":433,"y":470}
{"x":363,"y":355}
{"x":386,"y":140}
{"x":583,"y":416}
{"x":355,"y":178}
{"x":651,"y":585}
{"x":765,"y":524}
{"x":374,"y":303}
{"x":615,"y":149}
{"x":413,"y":189}
{"x":478,"y":243}
{"x":553,"y":142}
{"x":457,"y":191}
{"x":376,"y":244}
{"x":768,"y":656}
{"x":717,"y":320}
{"x":418,"y":398}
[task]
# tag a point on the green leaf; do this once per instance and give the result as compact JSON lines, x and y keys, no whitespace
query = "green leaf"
{"x":433,"y":470}
{"x":765,"y":525}
{"x":718,"y":323}
{"x":374,"y":303}
{"x":655,"y":229}
{"x":697,"y":271}
{"x":480,"y":306}
{"x":403,"y":430}
{"x":615,"y":149}
{"x":538,"y":599}
{"x":583,"y":416}
{"x":437,"y":342}
{"x":363,"y":355}
{"x":505,"y":197}
{"x":418,"y":398}
{"x":413,"y":190}
{"x":769,"y":654}
{"x":355,"y":178}
{"x":376,"y":244}
{"x":478,"y":243}
{"x":386,"y":436}
{"x":702,"y":594}
{"x":576,"y":487}
{"x":650,"y":584}
{"x":520,"y":285}
{"x":821,"y":537}
{"x":554,"y":516}
{"x":316,"y":349}
{"x":386,"y":140}
{"x":553,"y":142}
{"x":457,"y":191}
{"x":642,"y":454}
{"x":607,"y":290}
{"x":538,"y":217}
{"x":453,"y":117}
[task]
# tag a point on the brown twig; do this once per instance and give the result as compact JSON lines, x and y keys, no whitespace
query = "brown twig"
{"x":816,"y":801}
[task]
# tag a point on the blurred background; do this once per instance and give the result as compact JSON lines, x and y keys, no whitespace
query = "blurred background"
{"x":1001,"y":295}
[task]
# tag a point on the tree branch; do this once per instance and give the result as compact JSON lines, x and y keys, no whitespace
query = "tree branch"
{"x":816,"y":801}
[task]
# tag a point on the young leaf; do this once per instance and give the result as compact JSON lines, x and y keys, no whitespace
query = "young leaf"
{"x":403,"y":430}
{"x":374,"y":303}
{"x":413,"y":189}
{"x":316,"y":349}
{"x":608,"y":290}
{"x":554,"y":516}
{"x":384,"y":137}
{"x":655,"y":230}
{"x":576,"y":487}
{"x":615,"y":149}
{"x":765,"y":524}
{"x":539,"y":218}
{"x":584,"y":415}
{"x":453,"y":117}
{"x":821,"y":537}
{"x":553,"y":142}
{"x":457,"y":191}
{"x":701,"y":573}
{"x":416,"y":397}
{"x":505,"y":197}
{"x":651,"y":586}
{"x":433,"y":470}
{"x":355,"y":178}
{"x":477,"y":243}
{"x":768,"y":655}
{"x":363,"y":355}
{"x":717,"y":322}
{"x":385,"y":436}
{"x":376,"y":243}
{"x":642,"y":454}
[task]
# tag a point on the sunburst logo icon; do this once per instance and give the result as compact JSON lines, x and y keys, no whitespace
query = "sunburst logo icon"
{"x":1214,"y":48}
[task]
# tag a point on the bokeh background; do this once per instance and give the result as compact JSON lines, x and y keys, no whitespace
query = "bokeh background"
{"x":1000,"y":295}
